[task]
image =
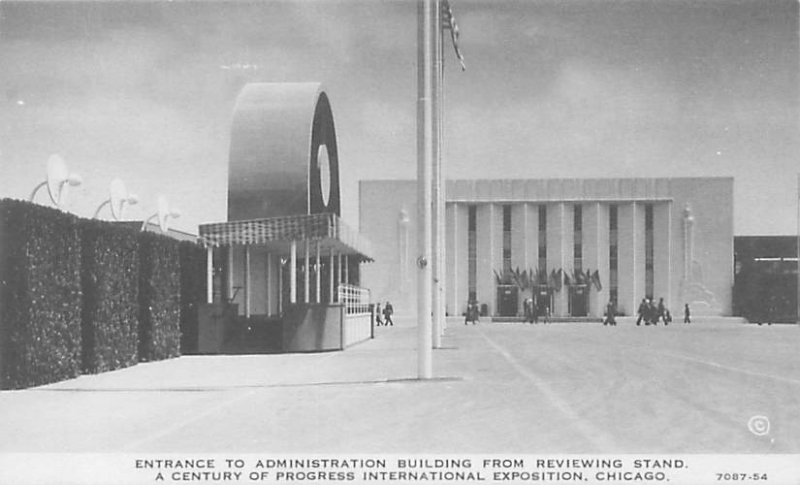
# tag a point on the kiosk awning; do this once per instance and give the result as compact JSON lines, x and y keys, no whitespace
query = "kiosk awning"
{"x":277,"y":233}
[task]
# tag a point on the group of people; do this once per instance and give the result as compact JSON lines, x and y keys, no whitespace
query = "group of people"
{"x":472,"y":315}
{"x":384,"y":317}
{"x":533,"y":311}
{"x":648,"y":312}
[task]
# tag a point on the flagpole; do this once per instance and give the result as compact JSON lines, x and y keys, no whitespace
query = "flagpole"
{"x":436,"y":265}
{"x":425,"y":31}
{"x":797,"y":197}
{"x":442,"y":181}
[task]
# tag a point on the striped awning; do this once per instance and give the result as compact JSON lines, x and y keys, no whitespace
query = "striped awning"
{"x":278,"y":232}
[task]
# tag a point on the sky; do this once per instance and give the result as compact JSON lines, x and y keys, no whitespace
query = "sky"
{"x":144,"y":91}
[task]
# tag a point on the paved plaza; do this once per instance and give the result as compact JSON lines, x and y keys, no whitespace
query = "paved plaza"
{"x":498,"y":388}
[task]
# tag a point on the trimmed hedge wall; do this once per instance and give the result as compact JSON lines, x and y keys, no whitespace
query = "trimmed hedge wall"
{"x":84,"y":295}
{"x":159,"y":297}
{"x":193,"y":293}
{"x":40,"y":302}
{"x":110,"y":280}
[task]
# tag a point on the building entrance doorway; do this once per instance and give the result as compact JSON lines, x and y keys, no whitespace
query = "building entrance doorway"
{"x":543,"y":301}
{"x":578,"y":300}
{"x":507,"y":300}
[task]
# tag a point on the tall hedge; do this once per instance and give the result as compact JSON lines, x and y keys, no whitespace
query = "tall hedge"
{"x":159,"y":297}
{"x":193,"y":292}
{"x":110,"y":280}
{"x":40,"y":301}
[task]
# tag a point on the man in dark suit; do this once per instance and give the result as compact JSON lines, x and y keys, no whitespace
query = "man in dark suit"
{"x":388,"y":310}
{"x":641,"y":312}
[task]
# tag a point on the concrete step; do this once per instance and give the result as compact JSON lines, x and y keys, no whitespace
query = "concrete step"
{"x":628,"y":321}
{"x":552,"y":319}
{"x":699,"y":320}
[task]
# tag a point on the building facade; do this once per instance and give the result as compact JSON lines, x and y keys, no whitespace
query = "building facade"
{"x":669,"y":238}
{"x":765,"y":281}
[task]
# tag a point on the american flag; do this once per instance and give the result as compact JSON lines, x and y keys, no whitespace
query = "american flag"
{"x":449,"y":23}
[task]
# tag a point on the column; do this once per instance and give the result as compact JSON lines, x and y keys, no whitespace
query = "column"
{"x":306,"y":277}
{"x":560,"y":250}
{"x":247,"y":282}
{"x":317,"y":268}
{"x":338,"y":275}
{"x":346,"y":269}
{"x":331,"y":296}
{"x":210,"y":274}
{"x":489,"y":253}
{"x":524,"y":236}
{"x":231,"y":273}
{"x":596,"y":253}
{"x":268,"y":285}
{"x":662,"y":256}
{"x":293,"y":272}
{"x":456,"y":257}
{"x":631,"y":257}
{"x":236,"y":281}
{"x":280,"y":285}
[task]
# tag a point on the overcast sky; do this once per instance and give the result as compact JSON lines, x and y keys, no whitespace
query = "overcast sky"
{"x":145,"y":90}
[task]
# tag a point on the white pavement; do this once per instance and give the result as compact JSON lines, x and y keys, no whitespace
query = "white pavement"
{"x":499,"y":388}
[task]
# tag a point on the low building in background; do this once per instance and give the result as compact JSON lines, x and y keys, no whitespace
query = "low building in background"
{"x":570,"y":244}
{"x":765,"y":282}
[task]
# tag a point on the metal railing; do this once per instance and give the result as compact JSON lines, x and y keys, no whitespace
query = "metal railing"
{"x":354,"y":298}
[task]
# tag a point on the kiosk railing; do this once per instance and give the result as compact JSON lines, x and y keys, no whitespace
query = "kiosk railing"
{"x":354,"y":298}
{"x":357,"y":325}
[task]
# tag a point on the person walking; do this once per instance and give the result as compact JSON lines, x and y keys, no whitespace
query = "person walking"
{"x":528,"y":310}
{"x":472,"y":313}
{"x":378,"y":313}
{"x":611,"y":314}
{"x":641,"y":312}
{"x":652,"y":312}
{"x":388,"y":310}
{"x":687,"y":315}
{"x":662,"y":312}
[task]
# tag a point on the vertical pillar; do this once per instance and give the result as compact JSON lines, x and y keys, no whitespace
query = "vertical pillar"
{"x":231,"y":272}
{"x":210,"y":274}
{"x":426,"y":30}
{"x":293,"y":272}
{"x":662,"y":255}
{"x":559,"y":250}
{"x":331,"y":296}
{"x":280,"y":285}
{"x":524,"y":240}
{"x":338,"y":275}
{"x":306,"y":277}
{"x":631,"y":257}
{"x":596,"y":253}
{"x":436,"y":185}
{"x":317,"y":268}
{"x":444,"y":282}
{"x":268,"y":285}
{"x":451,"y":237}
{"x":346,"y":269}
{"x":532,"y":237}
{"x":519,"y":236}
{"x":456,"y":258}
{"x":247,"y":282}
{"x":489,"y":254}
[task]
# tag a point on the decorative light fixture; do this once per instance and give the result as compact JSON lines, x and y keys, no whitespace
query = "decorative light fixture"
{"x":119,"y":196}
{"x":165,"y":212}
{"x":58,"y":179}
